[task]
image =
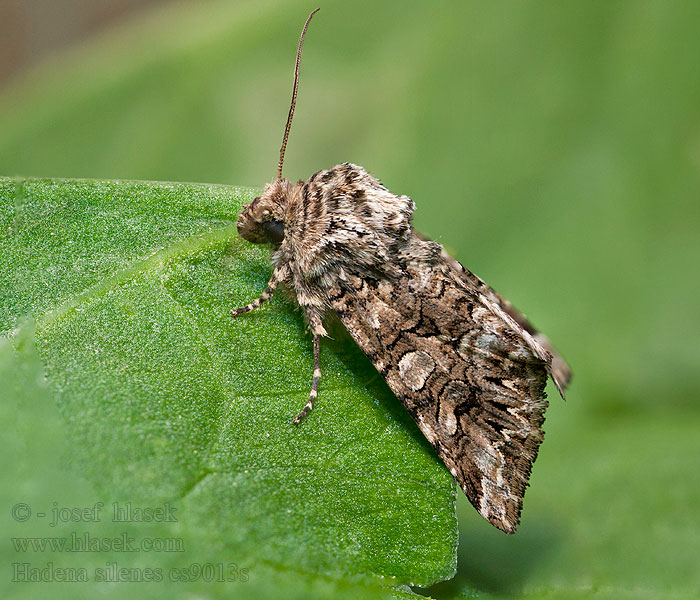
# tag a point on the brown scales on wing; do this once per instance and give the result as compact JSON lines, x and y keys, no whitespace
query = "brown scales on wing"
{"x":473,"y":385}
{"x":561,"y":373}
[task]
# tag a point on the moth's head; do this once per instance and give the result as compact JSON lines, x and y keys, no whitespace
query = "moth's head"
{"x":262,"y":221}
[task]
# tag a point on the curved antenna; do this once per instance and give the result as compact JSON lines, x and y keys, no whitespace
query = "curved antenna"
{"x":294,"y":94}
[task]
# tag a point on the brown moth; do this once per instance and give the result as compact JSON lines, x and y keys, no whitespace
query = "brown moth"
{"x":467,"y":366}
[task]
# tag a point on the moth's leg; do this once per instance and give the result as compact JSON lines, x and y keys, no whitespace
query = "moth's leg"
{"x":278,"y":276}
{"x":318,"y":330}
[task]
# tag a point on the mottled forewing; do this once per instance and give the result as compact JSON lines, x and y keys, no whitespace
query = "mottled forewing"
{"x":559,"y":369}
{"x":469,"y":379}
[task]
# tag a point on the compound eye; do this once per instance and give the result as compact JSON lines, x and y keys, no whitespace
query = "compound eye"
{"x":273,"y":231}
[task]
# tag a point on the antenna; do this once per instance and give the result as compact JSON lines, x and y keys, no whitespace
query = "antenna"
{"x":294,"y":94}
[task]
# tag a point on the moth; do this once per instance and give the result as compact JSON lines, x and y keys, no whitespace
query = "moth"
{"x":467,"y":366}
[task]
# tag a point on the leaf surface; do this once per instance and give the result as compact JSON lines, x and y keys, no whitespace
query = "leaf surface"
{"x":124,"y":290}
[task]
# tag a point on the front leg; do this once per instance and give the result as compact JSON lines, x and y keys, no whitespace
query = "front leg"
{"x":278,"y":276}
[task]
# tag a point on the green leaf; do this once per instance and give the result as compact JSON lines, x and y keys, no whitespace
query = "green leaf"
{"x":120,"y":294}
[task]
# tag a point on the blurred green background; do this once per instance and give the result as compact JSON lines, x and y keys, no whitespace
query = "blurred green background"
{"x":553,"y":147}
